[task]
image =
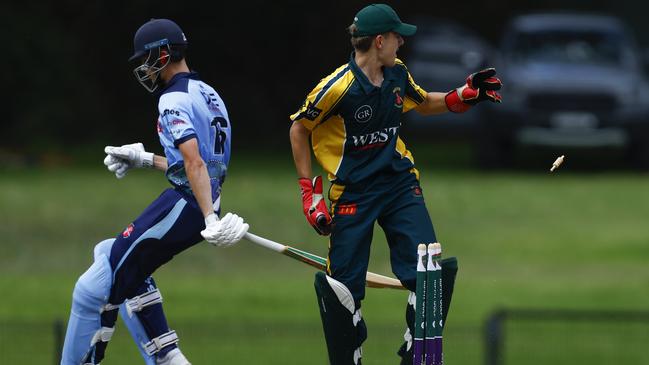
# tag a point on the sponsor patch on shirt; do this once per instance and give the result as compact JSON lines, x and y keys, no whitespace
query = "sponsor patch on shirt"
{"x":311,"y":112}
{"x":347,"y":209}
{"x":127,"y":232}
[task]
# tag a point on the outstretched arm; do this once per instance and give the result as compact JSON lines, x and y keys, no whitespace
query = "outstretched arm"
{"x":434,"y":104}
{"x":480,"y":86}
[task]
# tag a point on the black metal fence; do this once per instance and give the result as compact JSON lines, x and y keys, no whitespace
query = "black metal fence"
{"x":514,"y":336}
{"x":509,"y":336}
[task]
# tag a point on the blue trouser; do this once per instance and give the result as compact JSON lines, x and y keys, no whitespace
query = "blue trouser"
{"x":396,"y":202}
{"x":122,"y":270}
{"x":168,"y":226}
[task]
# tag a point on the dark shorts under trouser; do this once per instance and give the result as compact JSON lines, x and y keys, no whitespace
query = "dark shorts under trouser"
{"x":396,"y":202}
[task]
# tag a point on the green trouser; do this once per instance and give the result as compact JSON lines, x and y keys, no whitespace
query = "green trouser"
{"x":396,"y":202}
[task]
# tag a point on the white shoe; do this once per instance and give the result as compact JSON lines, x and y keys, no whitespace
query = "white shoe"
{"x":173,"y":357}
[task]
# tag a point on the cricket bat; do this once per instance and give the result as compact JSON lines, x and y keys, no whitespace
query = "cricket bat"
{"x":372,"y":280}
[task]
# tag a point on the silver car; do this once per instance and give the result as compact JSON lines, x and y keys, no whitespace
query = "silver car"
{"x":571,"y":81}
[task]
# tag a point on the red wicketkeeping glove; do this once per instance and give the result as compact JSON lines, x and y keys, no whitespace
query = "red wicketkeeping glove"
{"x":479,"y":86}
{"x":314,"y":206}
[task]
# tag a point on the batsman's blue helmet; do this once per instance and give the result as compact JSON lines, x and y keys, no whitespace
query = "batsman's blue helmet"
{"x":154,"y":34}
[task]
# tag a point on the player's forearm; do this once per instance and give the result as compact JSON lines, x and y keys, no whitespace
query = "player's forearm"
{"x":160,"y":163}
{"x":299,"y":136}
{"x":199,"y":181}
{"x":434,"y":104}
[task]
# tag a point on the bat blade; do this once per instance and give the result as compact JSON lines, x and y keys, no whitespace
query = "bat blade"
{"x":316,"y":261}
{"x":372,"y":280}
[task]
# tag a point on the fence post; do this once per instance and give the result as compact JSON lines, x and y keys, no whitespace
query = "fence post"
{"x":494,"y":337}
{"x":58,"y":341}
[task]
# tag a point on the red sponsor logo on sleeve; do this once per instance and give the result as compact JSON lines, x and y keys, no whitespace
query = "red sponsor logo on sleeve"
{"x":347,"y":209}
{"x":127,"y":232}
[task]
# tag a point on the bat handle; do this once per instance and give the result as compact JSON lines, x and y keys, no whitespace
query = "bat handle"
{"x":321,"y":220}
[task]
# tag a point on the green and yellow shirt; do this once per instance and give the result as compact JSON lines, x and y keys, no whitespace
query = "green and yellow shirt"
{"x":355,"y":125}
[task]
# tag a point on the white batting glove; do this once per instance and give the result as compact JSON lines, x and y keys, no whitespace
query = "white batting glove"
{"x":133,"y":154}
{"x":116,"y":165}
{"x":225,"y":232}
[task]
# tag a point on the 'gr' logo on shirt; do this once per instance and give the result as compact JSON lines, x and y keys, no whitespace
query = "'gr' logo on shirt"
{"x":363,"y":114}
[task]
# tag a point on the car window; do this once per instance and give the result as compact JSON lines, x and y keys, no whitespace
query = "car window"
{"x":573,"y":47}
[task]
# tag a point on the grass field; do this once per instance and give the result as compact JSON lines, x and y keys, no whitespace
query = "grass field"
{"x":523,"y":240}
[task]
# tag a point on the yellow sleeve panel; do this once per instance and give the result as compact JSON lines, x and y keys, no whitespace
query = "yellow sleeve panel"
{"x":328,"y":141}
{"x":401,"y":149}
{"x":321,"y":101}
{"x":415,"y":95}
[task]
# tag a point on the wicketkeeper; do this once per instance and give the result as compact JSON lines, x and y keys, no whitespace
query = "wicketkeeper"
{"x":194,"y":130}
{"x":352,"y":118}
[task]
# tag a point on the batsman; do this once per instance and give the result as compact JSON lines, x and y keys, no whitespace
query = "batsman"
{"x":195,"y":132}
{"x":351,"y":120}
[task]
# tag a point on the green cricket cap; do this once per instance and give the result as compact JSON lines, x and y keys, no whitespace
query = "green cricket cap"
{"x":380,"y":18}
